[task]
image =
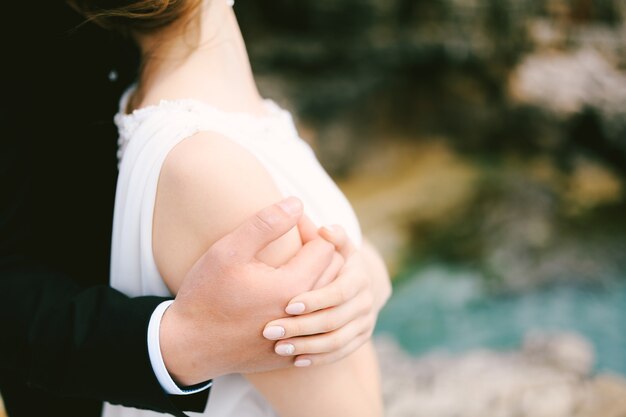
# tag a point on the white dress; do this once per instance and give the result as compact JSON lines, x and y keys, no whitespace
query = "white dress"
{"x":145,"y":138}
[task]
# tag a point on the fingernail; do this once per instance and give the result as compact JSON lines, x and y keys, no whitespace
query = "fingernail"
{"x":291,"y":205}
{"x":273,"y":332}
{"x":295,"y":308}
{"x":302,"y":363}
{"x":285,"y":349}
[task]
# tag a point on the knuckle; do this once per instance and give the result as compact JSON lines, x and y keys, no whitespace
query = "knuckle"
{"x":368,"y":302}
{"x":369,"y":324}
{"x":363,"y":324}
{"x":366,"y":333}
{"x":338,"y":295}
{"x":364,"y":336}
{"x":336,"y":343}
{"x":221,"y":269}
{"x":262,"y":221}
{"x":345,"y":292}
{"x":328,"y":326}
{"x":225,"y":271}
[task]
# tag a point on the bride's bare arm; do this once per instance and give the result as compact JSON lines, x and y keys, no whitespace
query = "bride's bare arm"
{"x":209,"y":185}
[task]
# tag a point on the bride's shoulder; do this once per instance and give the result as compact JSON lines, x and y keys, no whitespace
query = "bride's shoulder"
{"x":209,"y":164}
{"x":208,"y":186}
{"x":206,"y":155}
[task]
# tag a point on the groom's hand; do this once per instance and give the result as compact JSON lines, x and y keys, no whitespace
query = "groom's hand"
{"x":210,"y":330}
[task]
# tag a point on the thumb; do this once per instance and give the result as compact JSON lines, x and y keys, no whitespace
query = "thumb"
{"x":308,"y":230}
{"x":262,"y":228}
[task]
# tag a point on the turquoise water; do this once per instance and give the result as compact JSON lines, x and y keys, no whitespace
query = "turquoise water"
{"x":442,"y":309}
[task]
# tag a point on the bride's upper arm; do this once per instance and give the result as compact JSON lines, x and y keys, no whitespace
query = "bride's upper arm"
{"x":208,"y":186}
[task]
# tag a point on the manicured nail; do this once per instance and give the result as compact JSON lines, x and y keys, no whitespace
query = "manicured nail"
{"x":295,"y":308}
{"x":302,"y":363}
{"x":291,"y":205}
{"x":273,"y":332}
{"x":285,"y":349}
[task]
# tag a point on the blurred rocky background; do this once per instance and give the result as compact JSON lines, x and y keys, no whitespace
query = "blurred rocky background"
{"x":518,"y":106}
{"x":483,"y":145}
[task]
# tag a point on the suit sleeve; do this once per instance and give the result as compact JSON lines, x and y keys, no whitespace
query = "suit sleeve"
{"x":64,"y":338}
{"x":84,"y":343}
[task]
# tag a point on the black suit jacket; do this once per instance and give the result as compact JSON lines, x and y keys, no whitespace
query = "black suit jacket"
{"x":68,"y":341}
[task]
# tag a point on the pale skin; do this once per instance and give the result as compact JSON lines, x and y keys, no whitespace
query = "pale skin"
{"x":208,"y":186}
{"x":212,"y":175}
{"x":200,"y":329}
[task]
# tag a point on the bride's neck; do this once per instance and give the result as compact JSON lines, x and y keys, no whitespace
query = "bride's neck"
{"x":205,"y":59}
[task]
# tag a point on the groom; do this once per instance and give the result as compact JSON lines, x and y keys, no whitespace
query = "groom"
{"x":68,"y":340}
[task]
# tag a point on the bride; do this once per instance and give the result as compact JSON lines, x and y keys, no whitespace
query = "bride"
{"x":200,"y":151}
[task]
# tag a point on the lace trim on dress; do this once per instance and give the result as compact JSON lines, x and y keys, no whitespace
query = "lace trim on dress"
{"x":276,"y":125}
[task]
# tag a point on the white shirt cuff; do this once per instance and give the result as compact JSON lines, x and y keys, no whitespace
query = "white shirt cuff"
{"x":156,"y":359}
